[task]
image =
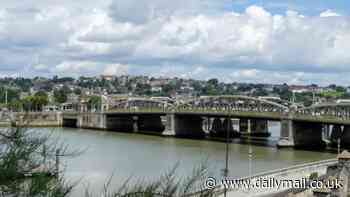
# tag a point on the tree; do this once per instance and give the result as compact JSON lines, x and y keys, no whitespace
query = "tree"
{"x":60,"y":96}
{"x":332,"y":86}
{"x":260,"y":92}
{"x":16,"y":105}
{"x":25,"y":168}
{"x":340,"y":89}
{"x":168,"y":89}
{"x":11,"y":94}
{"x":77,"y":91}
{"x":143,"y":89}
{"x":39,"y":100}
{"x":213,"y":82}
{"x":36,"y":102}
{"x":94,"y":103}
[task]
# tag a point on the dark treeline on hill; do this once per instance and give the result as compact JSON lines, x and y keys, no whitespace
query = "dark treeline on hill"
{"x":34,"y":93}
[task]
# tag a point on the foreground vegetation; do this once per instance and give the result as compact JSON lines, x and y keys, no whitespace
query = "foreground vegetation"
{"x":28,"y":168}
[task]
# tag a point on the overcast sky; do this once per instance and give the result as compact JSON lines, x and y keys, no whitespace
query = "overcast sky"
{"x":273,"y":41}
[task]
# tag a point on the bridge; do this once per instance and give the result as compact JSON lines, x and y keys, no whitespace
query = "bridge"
{"x":210,"y":116}
{"x":213,"y":116}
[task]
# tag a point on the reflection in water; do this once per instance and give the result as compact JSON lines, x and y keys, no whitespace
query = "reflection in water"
{"x":147,"y":157}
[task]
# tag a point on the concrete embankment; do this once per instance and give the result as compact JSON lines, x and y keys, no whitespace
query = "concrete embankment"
{"x":293,"y":173}
{"x":32,"y":119}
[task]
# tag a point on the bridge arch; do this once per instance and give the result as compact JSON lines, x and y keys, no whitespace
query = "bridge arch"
{"x":231,"y":103}
{"x":338,"y":110}
{"x":141,"y":104}
{"x":283,"y":102}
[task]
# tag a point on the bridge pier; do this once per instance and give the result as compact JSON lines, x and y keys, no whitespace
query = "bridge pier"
{"x":245,"y":126}
{"x":254,"y":127}
{"x":308,"y":135}
{"x":206,"y":125}
{"x":336,"y":134}
{"x":326,"y":132}
{"x":345,"y":138}
{"x":92,"y":120}
{"x":216,"y":127}
{"x":169,"y":125}
{"x":221,"y":126}
{"x":286,"y":134}
{"x":79,"y":121}
{"x":189,"y":126}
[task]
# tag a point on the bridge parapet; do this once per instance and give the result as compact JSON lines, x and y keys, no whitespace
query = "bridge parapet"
{"x":141,"y":105}
{"x":329,"y":112}
{"x":227,"y":104}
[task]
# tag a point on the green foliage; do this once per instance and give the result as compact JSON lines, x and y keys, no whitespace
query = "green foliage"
{"x":16,"y":105}
{"x":30,"y":103}
{"x":60,"y":96}
{"x":12,"y":95}
{"x":143,"y":89}
{"x":213,"y":82}
{"x":211,"y":88}
{"x":21,"y":157}
{"x":332,"y":94}
{"x":305,"y":98}
{"x":77,"y":91}
{"x":168,"y":89}
{"x":56,"y":79}
{"x":94,"y":103}
{"x":313,"y":176}
{"x":168,"y":185}
{"x":260,"y":92}
{"x":34,"y":103}
{"x":41,"y":94}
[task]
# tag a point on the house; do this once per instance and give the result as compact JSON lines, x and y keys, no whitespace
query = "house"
{"x":107,"y":77}
{"x":156,"y":88}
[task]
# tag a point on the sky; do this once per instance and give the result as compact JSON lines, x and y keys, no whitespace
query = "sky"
{"x":259,"y":41}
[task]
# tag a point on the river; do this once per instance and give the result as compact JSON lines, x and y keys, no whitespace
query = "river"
{"x":146,"y":157}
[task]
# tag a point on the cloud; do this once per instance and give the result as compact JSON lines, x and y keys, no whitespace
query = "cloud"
{"x":76,"y":68}
{"x":192,"y":38}
{"x":329,"y":13}
{"x":248,"y":73}
{"x":144,"y":11}
{"x":41,"y":67}
{"x":116,"y":69}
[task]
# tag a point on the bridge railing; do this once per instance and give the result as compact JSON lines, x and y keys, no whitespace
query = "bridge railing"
{"x":232,"y":111}
{"x":140,"y":109}
{"x":340,"y":111}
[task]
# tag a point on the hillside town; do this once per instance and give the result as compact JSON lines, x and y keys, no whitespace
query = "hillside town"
{"x":62,"y":93}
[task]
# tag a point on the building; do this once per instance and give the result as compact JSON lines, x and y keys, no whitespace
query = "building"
{"x":50,"y":108}
{"x":156,"y":88}
{"x":107,"y":77}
